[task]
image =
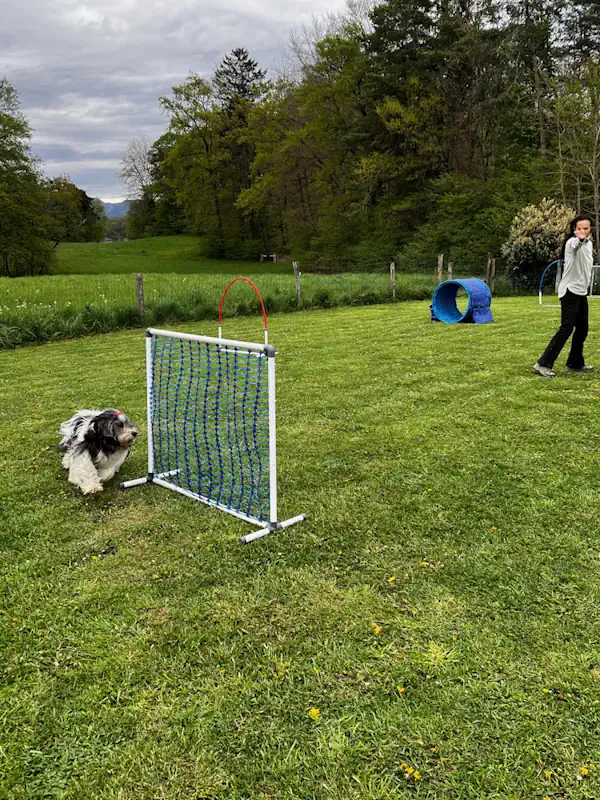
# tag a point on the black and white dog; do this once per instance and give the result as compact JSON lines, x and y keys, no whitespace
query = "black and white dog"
{"x":95,"y":445}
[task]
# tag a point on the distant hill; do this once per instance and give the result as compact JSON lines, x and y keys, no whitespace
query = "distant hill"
{"x":116,"y":209}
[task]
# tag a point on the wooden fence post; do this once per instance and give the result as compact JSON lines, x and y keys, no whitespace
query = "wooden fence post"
{"x":440,"y":268}
{"x":139,"y":281}
{"x":297,"y":277}
{"x":393,"y":279}
{"x":488,"y":269}
{"x":450,"y":270}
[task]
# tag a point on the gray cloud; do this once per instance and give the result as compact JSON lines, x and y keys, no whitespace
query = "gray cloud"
{"x":90,"y":72}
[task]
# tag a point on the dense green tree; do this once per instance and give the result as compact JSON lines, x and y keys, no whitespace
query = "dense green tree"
{"x":578,"y":150}
{"x":195,"y":159}
{"x":140,"y":218}
{"x":115,"y":228}
{"x":73,"y":215}
{"x":581,"y":31}
{"x":169,"y":217}
{"x":210,"y":154}
{"x":420,"y":127}
{"x":238,"y":79}
{"x":24,"y":247}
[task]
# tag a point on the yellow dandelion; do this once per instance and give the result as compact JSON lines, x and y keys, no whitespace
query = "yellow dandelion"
{"x":409,"y":770}
{"x":546,"y":691}
{"x":400,"y":689}
{"x":391,"y":579}
{"x":314,"y":714}
{"x":403,"y":765}
{"x":424,"y":564}
{"x":376,"y":628}
{"x":584,"y":772}
{"x":539,"y":761}
{"x":417,"y":776}
{"x":548,"y":773}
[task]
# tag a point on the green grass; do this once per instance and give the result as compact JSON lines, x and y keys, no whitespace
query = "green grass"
{"x":186,"y":254}
{"x":451,"y":552}
{"x":97,"y":292}
{"x":65,"y":306}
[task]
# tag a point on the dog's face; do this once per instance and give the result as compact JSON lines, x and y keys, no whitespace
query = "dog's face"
{"x":113,"y":424}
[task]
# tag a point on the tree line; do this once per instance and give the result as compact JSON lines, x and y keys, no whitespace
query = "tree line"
{"x":399,"y":129}
{"x":36,"y":213}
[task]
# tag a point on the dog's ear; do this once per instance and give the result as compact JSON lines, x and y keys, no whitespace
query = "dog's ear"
{"x":104,"y":427}
{"x":94,"y":433}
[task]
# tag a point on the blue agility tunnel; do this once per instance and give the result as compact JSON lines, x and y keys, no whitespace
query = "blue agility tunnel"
{"x":444,"y":308}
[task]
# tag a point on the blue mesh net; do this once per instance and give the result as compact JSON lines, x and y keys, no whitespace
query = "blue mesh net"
{"x":210,"y":422}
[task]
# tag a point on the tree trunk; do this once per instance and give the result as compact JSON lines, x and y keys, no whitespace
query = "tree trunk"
{"x":597,"y":213}
{"x":561,"y":165}
{"x":539,"y":103}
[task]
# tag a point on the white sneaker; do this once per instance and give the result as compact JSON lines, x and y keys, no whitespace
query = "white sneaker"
{"x":586,"y":368}
{"x":545,"y":372}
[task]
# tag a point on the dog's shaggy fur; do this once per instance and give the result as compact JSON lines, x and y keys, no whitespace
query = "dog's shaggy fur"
{"x":95,"y":445}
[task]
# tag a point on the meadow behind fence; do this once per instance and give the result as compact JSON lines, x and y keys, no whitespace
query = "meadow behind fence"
{"x":65,"y":306}
{"x":54,"y":307}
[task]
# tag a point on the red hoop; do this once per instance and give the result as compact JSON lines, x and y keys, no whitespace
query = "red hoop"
{"x":262,"y":305}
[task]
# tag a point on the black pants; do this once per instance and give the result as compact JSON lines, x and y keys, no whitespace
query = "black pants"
{"x":573,"y":315}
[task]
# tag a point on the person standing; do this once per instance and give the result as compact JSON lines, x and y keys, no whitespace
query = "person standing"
{"x":578,"y":260}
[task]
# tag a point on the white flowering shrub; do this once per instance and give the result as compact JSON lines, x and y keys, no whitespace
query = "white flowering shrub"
{"x":534,"y":241}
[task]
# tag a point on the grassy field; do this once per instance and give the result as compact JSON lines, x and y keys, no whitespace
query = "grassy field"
{"x":431,"y":631}
{"x":183,"y":254}
{"x":64,"y":306}
{"x":94,"y":290}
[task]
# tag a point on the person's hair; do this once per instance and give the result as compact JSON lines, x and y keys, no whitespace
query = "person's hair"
{"x":572,"y":226}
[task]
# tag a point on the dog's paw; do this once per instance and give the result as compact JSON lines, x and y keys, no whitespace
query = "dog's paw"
{"x":93,"y":489}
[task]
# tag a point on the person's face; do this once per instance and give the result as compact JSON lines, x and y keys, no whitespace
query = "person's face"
{"x":583,"y":229}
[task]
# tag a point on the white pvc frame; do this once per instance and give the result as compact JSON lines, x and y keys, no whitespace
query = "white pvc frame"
{"x":261,"y":350}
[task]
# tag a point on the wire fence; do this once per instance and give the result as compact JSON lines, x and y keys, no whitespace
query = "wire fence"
{"x":59,"y":306}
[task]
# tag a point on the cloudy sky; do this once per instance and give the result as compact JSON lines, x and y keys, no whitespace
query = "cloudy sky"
{"x":89,"y":72}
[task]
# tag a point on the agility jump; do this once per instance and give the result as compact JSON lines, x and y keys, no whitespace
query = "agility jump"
{"x":211,"y":422}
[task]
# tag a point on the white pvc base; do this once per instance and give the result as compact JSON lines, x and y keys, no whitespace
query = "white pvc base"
{"x":272,"y":527}
{"x":140,"y":481}
{"x":547,"y":305}
{"x":250,"y":537}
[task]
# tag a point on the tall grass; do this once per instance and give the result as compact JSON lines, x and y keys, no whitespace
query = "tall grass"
{"x":93,"y":289}
{"x":65,"y":306}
